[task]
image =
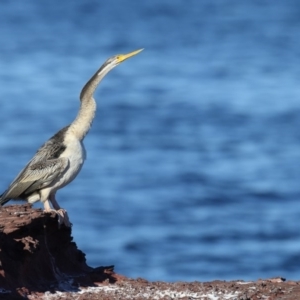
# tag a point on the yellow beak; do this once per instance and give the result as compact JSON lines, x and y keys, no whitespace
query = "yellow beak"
{"x":122,"y":57}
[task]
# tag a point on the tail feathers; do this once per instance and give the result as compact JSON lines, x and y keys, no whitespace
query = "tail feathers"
{"x":3,"y":200}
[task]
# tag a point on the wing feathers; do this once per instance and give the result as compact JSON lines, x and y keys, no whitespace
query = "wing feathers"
{"x":34,"y":177}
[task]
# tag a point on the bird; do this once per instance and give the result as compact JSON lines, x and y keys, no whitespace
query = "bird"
{"x":59,"y":160}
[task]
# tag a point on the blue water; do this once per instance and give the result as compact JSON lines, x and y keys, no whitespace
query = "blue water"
{"x":193,"y":158}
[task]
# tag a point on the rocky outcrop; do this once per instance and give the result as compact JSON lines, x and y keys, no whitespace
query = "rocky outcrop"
{"x":38,"y":255}
{"x":39,"y":260}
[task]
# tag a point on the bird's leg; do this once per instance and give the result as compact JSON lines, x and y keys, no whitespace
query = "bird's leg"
{"x":54,"y":202}
{"x":47,"y":207}
{"x":60,"y":211}
{"x":62,"y":214}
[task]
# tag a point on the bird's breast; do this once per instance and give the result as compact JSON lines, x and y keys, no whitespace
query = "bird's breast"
{"x":75,"y":153}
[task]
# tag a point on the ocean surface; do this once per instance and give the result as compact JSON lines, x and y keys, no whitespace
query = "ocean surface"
{"x":193,"y":160}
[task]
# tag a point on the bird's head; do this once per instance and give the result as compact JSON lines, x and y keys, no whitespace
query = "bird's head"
{"x":116,"y":60}
{"x":112,"y":62}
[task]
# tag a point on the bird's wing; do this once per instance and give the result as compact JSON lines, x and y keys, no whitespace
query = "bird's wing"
{"x":41,"y":171}
{"x":34,"y":176}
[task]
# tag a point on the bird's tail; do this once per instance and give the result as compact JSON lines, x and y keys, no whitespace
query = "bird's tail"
{"x":3,"y":200}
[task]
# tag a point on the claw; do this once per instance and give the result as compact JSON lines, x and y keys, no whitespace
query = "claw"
{"x":62,"y":215}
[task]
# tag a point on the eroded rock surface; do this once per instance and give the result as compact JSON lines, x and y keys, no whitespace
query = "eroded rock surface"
{"x":39,"y":260}
{"x":38,"y":255}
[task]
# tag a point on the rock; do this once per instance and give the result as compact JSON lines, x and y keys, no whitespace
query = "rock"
{"x":39,"y":260}
{"x":37,"y":255}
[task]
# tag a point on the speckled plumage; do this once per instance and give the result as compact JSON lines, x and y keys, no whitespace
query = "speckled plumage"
{"x":60,"y":159}
{"x":41,"y":171}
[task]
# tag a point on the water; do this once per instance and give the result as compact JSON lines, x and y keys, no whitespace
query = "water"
{"x":193,"y":158}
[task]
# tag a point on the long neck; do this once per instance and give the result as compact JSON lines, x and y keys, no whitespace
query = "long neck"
{"x":83,"y":121}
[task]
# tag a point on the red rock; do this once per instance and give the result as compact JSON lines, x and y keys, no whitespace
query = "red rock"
{"x":39,"y":260}
{"x":37,"y":255}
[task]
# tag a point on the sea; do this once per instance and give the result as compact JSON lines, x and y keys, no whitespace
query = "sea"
{"x":193,"y":159}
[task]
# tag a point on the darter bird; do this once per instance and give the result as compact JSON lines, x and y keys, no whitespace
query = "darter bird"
{"x":60,"y":159}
